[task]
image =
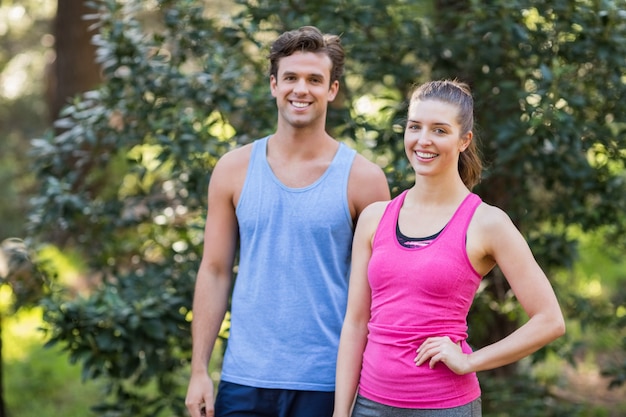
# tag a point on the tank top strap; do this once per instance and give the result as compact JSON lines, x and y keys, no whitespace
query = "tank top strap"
{"x":257,"y":158}
{"x":461,"y":219}
{"x":387,"y":226}
{"x":259,"y":150}
{"x":458,"y":223}
{"x":345,"y":155}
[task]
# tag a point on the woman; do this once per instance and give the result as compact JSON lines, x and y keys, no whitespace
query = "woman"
{"x":417,"y":262}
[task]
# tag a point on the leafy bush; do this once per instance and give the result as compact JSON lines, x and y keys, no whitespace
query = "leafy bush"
{"x":124,"y":178}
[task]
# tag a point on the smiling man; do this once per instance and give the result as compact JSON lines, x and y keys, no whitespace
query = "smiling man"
{"x":289,"y":202}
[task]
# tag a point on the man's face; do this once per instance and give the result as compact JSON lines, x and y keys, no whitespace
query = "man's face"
{"x":302,"y":88}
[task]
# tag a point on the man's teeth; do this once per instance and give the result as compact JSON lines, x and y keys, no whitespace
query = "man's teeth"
{"x":298,"y":104}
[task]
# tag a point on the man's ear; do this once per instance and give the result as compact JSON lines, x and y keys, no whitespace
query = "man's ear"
{"x":333,"y":90}
{"x":273,"y":85}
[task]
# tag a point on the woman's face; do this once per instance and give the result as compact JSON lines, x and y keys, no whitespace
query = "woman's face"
{"x":432,"y":138}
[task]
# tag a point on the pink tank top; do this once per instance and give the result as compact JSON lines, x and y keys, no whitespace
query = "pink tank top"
{"x":418,"y":293}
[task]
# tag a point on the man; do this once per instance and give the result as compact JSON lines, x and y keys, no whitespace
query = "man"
{"x":290,"y":201}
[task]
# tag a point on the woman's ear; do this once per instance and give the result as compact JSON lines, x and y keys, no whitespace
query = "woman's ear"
{"x":466,"y":140}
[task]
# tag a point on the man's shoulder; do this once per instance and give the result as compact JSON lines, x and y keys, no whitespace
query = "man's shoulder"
{"x":230,"y":170}
{"x":368,"y":183}
{"x":365,"y":168}
{"x":234,"y":158}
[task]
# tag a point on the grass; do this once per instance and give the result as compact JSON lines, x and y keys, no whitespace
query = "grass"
{"x":39,"y":381}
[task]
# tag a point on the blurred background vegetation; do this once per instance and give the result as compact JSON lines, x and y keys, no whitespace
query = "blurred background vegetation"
{"x":113,"y":113}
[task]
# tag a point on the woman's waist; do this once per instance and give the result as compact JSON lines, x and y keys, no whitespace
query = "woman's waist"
{"x":400,"y":335}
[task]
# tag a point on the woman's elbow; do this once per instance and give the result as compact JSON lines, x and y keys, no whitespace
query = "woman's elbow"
{"x":557,"y":326}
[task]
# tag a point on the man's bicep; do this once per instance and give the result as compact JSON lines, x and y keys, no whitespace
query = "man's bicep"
{"x":367,"y":185}
{"x":221,"y":229}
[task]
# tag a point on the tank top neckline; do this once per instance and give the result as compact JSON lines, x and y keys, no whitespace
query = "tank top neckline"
{"x":263,"y":150}
{"x":450,"y":224}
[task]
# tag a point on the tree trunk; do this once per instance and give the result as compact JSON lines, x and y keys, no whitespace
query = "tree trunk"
{"x":74,"y":69}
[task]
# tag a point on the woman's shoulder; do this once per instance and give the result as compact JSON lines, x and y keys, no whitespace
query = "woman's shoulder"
{"x":371,"y":215}
{"x":375,"y":210}
{"x":491,"y":218}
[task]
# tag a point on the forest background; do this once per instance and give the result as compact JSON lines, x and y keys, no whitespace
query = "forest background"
{"x":110,"y":127}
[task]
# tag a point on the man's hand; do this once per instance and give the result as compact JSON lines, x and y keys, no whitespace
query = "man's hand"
{"x":199,"y":399}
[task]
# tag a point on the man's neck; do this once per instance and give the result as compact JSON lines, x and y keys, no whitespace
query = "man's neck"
{"x":302,"y":143}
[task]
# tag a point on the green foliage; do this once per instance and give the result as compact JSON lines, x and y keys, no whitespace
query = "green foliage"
{"x":617,"y":372}
{"x":41,"y":381}
{"x":125,"y":179}
{"x":23,"y":112}
{"x":522,"y":396}
{"x":134,"y":333}
{"x":597,"y":307}
{"x":548,"y":81}
{"x":26,"y":277}
{"x":125,"y":182}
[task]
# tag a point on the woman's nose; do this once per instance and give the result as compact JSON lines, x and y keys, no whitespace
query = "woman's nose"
{"x":423,"y":138}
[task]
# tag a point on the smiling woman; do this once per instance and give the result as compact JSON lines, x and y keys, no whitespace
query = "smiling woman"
{"x":417,"y":263}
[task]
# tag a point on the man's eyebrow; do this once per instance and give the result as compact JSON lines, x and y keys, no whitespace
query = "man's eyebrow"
{"x":313,"y":74}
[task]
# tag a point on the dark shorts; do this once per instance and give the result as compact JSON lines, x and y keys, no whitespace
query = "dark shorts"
{"x":368,"y":408}
{"x":234,"y":400}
